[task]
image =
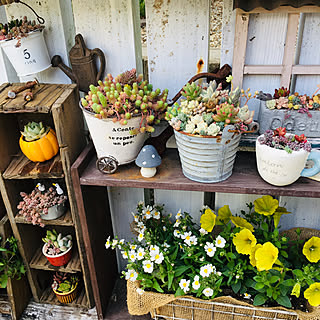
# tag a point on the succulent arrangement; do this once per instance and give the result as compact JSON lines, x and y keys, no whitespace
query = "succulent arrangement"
{"x":125,"y":96}
{"x":207,"y":109}
{"x":34,"y":131}
{"x":56,"y":243}
{"x":38,"y":202}
{"x":280,"y":139}
{"x":64,"y":282}
{"x":17,"y":29}
{"x":282,"y":99}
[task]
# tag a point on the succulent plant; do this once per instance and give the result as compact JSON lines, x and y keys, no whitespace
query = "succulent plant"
{"x":281,"y":92}
{"x":34,"y":131}
{"x":123,"y":97}
{"x":17,"y":29}
{"x":56,"y":243}
{"x":64,"y":282}
{"x":191,"y":91}
{"x":226,"y":113}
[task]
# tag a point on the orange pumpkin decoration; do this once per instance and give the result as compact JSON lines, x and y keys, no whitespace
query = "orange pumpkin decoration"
{"x":42,"y":149}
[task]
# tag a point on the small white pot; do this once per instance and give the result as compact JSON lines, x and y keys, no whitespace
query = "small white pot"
{"x":55,"y":212}
{"x":280,"y":168}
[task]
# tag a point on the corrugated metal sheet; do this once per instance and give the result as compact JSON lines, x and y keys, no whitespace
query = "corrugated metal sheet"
{"x":248,"y":5}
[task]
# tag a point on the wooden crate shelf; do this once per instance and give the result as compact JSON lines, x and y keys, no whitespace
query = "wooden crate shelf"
{"x":39,"y":261}
{"x":65,"y":220}
{"x":21,"y":167}
{"x":80,"y":301}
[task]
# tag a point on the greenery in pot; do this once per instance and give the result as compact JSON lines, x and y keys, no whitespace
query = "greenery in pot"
{"x":242,"y":256}
{"x":207,"y":109}
{"x":11,"y":264}
{"x":125,"y":96}
{"x":64,"y":282}
{"x":18,"y":29}
{"x":56,"y":243}
{"x":39,"y":201}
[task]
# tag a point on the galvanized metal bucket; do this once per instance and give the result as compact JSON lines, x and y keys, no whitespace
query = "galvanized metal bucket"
{"x":208,"y":159}
{"x":113,"y":139}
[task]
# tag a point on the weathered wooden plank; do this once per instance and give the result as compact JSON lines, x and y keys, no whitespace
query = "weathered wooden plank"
{"x":173,"y":49}
{"x":278,"y":69}
{"x":286,"y":9}
{"x":65,"y":220}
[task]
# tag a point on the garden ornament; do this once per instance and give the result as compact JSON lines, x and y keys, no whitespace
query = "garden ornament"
{"x":29,"y":85}
{"x":148,"y":159}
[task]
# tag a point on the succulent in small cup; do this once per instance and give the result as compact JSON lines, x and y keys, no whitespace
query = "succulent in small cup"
{"x":56,"y":243}
{"x":34,"y":131}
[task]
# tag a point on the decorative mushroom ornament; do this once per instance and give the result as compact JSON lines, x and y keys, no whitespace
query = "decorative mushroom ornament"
{"x":148,"y":159}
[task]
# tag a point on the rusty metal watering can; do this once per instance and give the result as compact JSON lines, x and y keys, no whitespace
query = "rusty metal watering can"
{"x":83,"y":62}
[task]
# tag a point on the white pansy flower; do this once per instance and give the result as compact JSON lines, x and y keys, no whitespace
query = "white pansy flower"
{"x":140,"y":291}
{"x":193,"y":240}
{"x":177,"y":233}
{"x":208,"y":292}
{"x":132,"y":255}
{"x":140,"y":224}
{"x":135,"y":217}
{"x":213,"y":130}
{"x":133,"y":247}
{"x":154,"y":250}
{"x":114,"y":242}
{"x":108,"y":243}
{"x":177,"y":223}
{"x":140,"y":254}
{"x":184,"y":285}
{"x":131,"y":275}
{"x":247,"y":295}
{"x":201,"y":259}
{"x":196,"y":283}
{"x":164,"y":228}
{"x":157,"y":258}
{"x":124,"y":254}
{"x":203,"y":231}
{"x":140,"y":203}
{"x":148,"y":212}
{"x":179,"y":214}
{"x":186,"y":234}
{"x":219,"y":274}
{"x":189,"y":128}
{"x":140,"y":236}
{"x":210,"y":249}
{"x":220,"y":242}
{"x":206,"y":270}
{"x":147,"y":266}
{"x":156,"y":215}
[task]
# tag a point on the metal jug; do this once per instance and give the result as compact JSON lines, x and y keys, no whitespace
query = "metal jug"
{"x":84,"y":70}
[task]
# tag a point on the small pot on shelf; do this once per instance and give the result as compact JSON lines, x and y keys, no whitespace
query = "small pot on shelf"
{"x":65,"y":286}
{"x":58,"y":260}
{"x":55,"y":212}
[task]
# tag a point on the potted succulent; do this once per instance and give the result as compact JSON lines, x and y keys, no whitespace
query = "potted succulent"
{"x":297,"y":113}
{"x":281,"y":157}
{"x":23,"y":43}
{"x":43,"y":204}
{"x":57,"y":248}
{"x":120,"y":111}
{"x":65,"y":286}
{"x":230,"y":266}
{"x":38,"y":142}
{"x":208,"y":124}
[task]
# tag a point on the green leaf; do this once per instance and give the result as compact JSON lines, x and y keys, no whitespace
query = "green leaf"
{"x":288,"y":283}
{"x":250,"y":283}
{"x":284,"y":301}
{"x":266,"y":205}
{"x":298,"y":273}
{"x":284,"y":254}
{"x":265,"y":226}
{"x":269,"y":292}
{"x":173,"y":256}
{"x":179,"y":292}
{"x":3,"y":281}
{"x":259,"y":285}
{"x":180,"y":270}
{"x":284,"y":290}
{"x":274,"y":279}
{"x":259,"y":299}
{"x":170,"y":279}
{"x":231,"y":255}
{"x":236,"y":287}
{"x":156,"y":286}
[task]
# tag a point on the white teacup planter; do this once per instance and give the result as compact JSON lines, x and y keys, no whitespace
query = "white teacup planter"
{"x":280,"y":168}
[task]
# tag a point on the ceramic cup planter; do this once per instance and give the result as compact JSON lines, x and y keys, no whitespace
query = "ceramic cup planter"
{"x":67,"y":297}
{"x":55,"y":212}
{"x":280,"y":168}
{"x":60,"y":259}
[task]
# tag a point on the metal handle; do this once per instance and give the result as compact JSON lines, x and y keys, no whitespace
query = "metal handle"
{"x":99,"y":53}
{"x":40,"y":19}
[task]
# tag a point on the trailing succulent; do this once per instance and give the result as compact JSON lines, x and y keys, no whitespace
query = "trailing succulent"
{"x":206,"y":110}
{"x":125,"y":96}
{"x":56,"y":243}
{"x":64,"y":282}
{"x":34,"y":131}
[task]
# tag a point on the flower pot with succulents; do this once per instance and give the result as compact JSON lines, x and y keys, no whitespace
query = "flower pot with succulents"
{"x":208,"y":126}
{"x":38,"y":142}
{"x":282,"y":157}
{"x":24,"y":45}
{"x":65,"y":287}
{"x":297,"y":113}
{"x":119,"y":113}
{"x":229,"y":267}
{"x":57,"y":248}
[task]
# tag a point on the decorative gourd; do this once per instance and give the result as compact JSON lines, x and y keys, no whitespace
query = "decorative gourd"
{"x":38,"y":143}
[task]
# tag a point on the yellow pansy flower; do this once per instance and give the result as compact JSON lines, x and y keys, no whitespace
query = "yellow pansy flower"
{"x":312,"y":294}
{"x":311,"y":249}
{"x":224,"y":215}
{"x":253,"y":254}
{"x":242,"y":223}
{"x":266,"y":205}
{"x":277,"y":215}
{"x":244,"y":241}
{"x":296,"y":290}
{"x":208,"y":220}
{"x":266,"y":256}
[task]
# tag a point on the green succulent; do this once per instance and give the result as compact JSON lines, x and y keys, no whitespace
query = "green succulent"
{"x":226,"y":113}
{"x":209,"y":93}
{"x":34,"y":131}
{"x":191,"y":91}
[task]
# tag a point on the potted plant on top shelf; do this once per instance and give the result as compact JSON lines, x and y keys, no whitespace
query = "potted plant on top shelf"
{"x":297,"y":113}
{"x":119,"y":112}
{"x":43,"y":204}
{"x":65,"y":286}
{"x":208,"y":124}
{"x":23,"y":43}
{"x":57,"y":248}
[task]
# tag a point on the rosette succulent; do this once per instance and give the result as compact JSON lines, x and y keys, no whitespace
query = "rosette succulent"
{"x":56,"y":243}
{"x":34,"y":131}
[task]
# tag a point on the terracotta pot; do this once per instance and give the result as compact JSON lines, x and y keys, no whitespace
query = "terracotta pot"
{"x":67,"y":297}
{"x":60,"y":259}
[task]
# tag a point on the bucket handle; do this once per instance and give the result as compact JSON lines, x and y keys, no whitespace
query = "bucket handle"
{"x":40,"y":19}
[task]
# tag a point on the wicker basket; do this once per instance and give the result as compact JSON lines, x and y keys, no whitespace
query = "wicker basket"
{"x":67,"y":297}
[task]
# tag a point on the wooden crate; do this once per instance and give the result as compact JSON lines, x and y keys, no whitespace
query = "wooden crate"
{"x":55,"y":105}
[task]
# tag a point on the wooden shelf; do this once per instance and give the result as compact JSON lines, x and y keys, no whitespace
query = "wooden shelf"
{"x":65,"y":220}
{"x":80,"y":301}
{"x":21,"y":167}
{"x":245,"y":178}
{"x":39,"y":261}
